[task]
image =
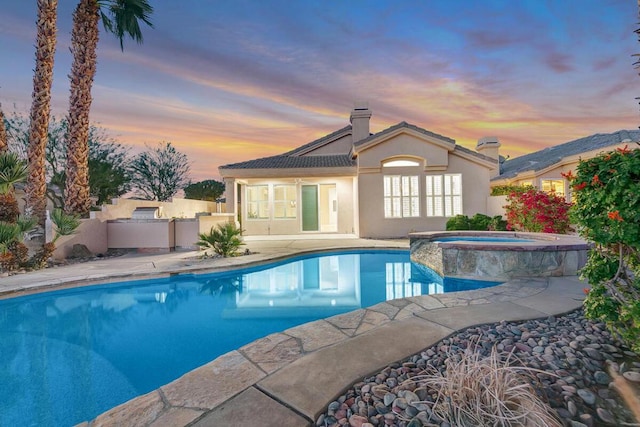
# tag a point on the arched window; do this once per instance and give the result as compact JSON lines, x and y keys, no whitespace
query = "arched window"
{"x":400,"y":163}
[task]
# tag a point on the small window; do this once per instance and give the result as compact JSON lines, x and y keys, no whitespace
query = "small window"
{"x":554,"y":186}
{"x":284,"y":201}
{"x":400,"y":163}
{"x":257,"y":202}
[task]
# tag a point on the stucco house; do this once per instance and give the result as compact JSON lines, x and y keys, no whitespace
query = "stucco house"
{"x":383,"y":185}
{"x":543,"y":169}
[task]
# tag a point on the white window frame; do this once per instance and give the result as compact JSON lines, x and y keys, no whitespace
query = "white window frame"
{"x":452,"y":195}
{"x":289,"y":204}
{"x":443,"y":195}
{"x":257,"y":205}
{"x":401,"y":194}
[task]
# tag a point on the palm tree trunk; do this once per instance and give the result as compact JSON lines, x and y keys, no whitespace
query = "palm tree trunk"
{"x":3,"y":134}
{"x":84,"y":40}
{"x":36,"y":201}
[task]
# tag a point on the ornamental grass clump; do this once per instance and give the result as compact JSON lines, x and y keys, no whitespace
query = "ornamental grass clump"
{"x":478,"y":390}
{"x":606,"y":191}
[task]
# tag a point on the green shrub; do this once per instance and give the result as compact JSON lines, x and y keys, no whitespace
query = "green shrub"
{"x":458,"y":222}
{"x":498,"y":224}
{"x":225,"y":239}
{"x":505,"y":190}
{"x":479,"y":222}
{"x":606,"y":190}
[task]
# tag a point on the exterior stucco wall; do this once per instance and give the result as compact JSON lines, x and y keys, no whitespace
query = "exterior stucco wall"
{"x":495,"y":205}
{"x":475,"y":190}
{"x":273,"y":226}
{"x":403,"y":145}
{"x":91,"y":233}
{"x":177,"y":208}
{"x":142,"y":234}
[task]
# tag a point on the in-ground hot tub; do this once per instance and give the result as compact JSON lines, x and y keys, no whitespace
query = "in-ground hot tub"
{"x":498,"y":255}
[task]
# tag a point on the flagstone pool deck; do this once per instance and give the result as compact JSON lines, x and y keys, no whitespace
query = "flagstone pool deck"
{"x":288,"y":378}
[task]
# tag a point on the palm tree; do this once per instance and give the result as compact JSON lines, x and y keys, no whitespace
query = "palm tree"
{"x":119,"y":17}
{"x":36,"y":190}
{"x":3,"y":133}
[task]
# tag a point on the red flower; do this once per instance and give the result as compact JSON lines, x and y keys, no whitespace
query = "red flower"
{"x":569,"y":175}
{"x":580,"y":186}
{"x":623,"y":150}
{"x":596,"y":180}
{"x":615,"y":215}
{"x":607,"y":157}
{"x":586,"y":291}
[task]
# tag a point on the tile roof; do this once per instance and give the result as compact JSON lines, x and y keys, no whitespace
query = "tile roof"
{"x":551,"y":155}
{"x":295,"y":162}
{"x":318,"y":142}
{"x":404,"y":125}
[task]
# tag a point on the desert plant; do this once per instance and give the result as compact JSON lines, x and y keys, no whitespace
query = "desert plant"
{"x":477,"y":390}
{"x":12,"y":171}
{"x":225,"y":239}
{"x":14,"y":252}
{"x":64,"y":225}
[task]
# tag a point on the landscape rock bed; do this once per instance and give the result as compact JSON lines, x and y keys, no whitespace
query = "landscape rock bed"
{"x":575,"y":355}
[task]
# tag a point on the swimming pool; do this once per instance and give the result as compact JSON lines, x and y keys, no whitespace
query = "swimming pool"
{"x":69,"y":355}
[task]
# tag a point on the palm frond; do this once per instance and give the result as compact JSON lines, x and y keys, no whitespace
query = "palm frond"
{"x":123,"y":17}
{"x":12,"y":170}
{"x":225,"y":239}
{"x":65,"y":224}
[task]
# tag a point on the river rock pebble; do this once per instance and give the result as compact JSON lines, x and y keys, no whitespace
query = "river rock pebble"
{"x":575,"y":355}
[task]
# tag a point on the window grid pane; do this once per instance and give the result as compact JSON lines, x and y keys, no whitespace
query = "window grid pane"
{"x":257,"y":202}
{"x":444,"y":195}
{"x":284,"y":203}
{"x":401,"y":196}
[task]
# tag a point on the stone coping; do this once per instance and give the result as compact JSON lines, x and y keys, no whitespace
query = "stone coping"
{"x":288,"y":378}
{"x":544,"y":242}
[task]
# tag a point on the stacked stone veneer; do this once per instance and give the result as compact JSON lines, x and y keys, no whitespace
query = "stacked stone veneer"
{"x":547,"y":255}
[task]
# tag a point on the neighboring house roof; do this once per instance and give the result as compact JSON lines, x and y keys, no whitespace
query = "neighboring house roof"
{"x":551,"y":155}
{"x":295,"y":162}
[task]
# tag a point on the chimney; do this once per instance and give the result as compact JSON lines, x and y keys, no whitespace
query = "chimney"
{"x":360,"y":121}
{"x":490,"y":147}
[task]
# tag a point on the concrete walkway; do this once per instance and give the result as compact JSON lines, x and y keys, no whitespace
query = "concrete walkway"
{"x":288,"y":378}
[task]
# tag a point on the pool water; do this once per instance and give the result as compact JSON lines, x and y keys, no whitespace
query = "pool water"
{"x":67,"y":356}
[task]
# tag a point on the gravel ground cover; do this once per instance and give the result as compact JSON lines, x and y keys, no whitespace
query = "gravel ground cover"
{"x":577,"y":361}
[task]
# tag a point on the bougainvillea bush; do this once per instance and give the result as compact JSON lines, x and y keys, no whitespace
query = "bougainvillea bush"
{"x":537,"y":211}
{"x":606,"y":192}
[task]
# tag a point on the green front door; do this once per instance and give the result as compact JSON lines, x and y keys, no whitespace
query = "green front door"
{"x":309,"y":208}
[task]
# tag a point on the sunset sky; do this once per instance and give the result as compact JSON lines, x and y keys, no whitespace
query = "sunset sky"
{"x":233,"y":80}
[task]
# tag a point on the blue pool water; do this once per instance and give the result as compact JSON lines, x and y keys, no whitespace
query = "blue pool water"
{"x":69,"y":355}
